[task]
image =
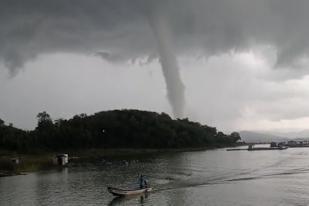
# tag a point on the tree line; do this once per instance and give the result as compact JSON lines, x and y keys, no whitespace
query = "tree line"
{"x":113,"y":129}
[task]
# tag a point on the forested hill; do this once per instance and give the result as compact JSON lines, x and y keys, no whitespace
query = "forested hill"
{"x":113,"y":129}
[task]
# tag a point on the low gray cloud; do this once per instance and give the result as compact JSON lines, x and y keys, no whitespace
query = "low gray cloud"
{"x":110,"y":57}
{"x":29,"y":28}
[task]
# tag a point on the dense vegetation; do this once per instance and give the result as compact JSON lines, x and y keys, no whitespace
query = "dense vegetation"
{"x":113,"y":129}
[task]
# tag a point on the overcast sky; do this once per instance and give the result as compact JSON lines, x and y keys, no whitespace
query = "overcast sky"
{"x":242,"y":63}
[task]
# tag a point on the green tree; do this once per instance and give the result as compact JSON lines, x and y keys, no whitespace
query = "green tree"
{"x":1,"y":123}
{"x":44,"y":120}
{"x":59,"y":122}
{"x":235,"y":136}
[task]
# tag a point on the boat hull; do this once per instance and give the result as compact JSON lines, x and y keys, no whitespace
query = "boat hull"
{"x":124,"y":192}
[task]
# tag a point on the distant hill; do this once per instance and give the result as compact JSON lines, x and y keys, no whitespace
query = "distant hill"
{"x":298,"y":134}
{"x":255,"y":137}
{"x":113,"y":129}
{"x":267,"y":136}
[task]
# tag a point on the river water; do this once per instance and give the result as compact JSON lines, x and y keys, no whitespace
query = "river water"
{"x":213,"y":177}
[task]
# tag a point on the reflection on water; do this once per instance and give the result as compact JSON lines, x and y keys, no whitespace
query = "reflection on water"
{"x":214,"y":177}
{"x":139,"y":200}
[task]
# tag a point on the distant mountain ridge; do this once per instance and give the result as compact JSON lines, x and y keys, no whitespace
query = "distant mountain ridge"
{"x":266,"y":136}
{"x":298,"y":134}
{"x":256,"y":137}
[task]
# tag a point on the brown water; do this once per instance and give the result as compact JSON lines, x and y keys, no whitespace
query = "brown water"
{"x":214,"y":177}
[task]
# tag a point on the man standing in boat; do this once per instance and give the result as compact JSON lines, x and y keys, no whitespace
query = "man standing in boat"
{"x":142,"y":182}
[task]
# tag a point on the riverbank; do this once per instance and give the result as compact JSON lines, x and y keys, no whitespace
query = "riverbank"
{"x":20,"y":164}
{"x":46,"y":160}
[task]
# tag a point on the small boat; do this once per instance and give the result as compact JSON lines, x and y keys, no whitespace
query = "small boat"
{"x":126,"y":192}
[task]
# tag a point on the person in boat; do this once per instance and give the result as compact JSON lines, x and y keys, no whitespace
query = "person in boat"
{"x":142,"y":182}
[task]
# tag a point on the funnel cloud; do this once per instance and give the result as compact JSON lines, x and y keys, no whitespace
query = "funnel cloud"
{"x":169,"y":64}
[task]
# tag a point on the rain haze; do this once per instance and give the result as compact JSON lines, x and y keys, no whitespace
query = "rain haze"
{"x":154,"y":102}
{"x":232,"y":64}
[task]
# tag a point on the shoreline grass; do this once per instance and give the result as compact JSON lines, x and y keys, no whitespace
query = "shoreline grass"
{"x":45,"y":160}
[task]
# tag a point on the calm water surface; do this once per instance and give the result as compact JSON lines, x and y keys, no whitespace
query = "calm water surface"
{"x":214,"y":177}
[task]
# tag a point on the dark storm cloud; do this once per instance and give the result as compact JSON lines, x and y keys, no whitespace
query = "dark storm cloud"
{"x":32,"y":27}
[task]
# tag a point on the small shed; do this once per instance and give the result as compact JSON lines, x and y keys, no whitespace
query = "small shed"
{"x":62,"y":159}
{"x":15,"y":160}
{"x":273,"y":144}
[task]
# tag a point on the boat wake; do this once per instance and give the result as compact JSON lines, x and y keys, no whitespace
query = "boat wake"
{"x":282,"y":167}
